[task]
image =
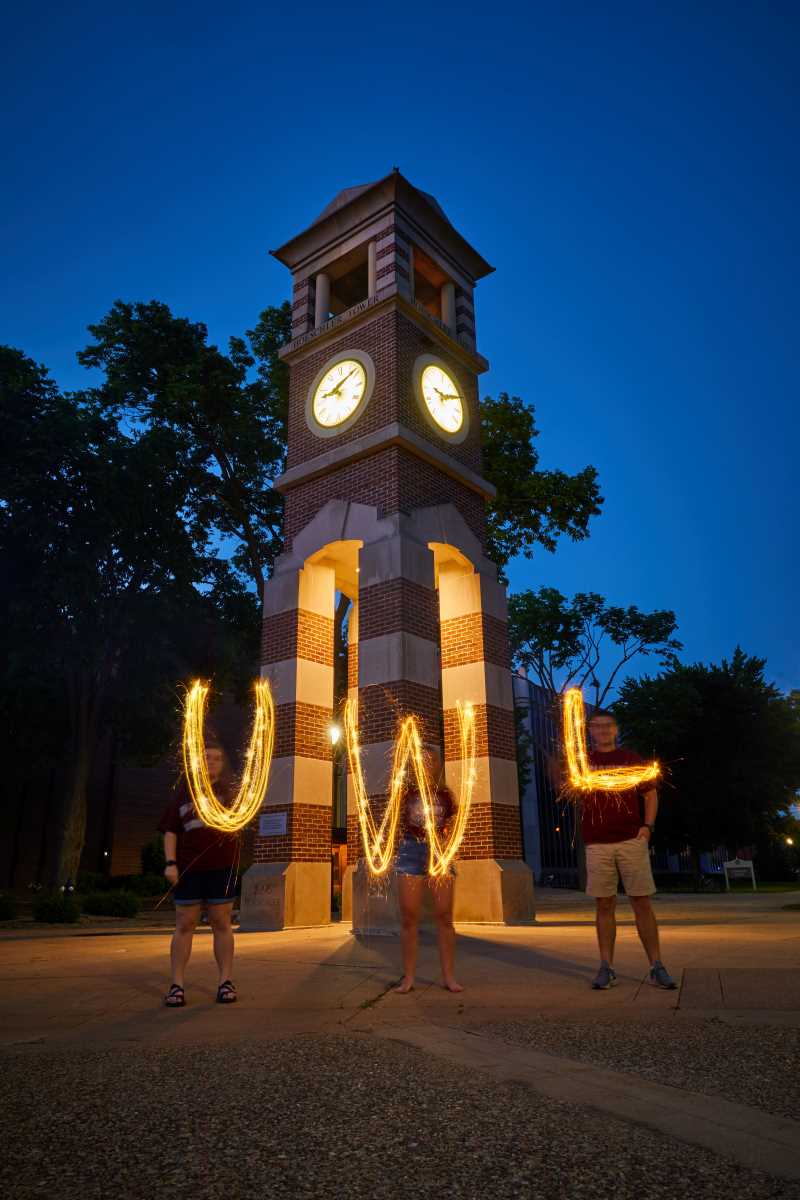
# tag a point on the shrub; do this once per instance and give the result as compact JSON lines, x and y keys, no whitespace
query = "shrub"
{"x":91,"y":881}
{"x":111,"y":904}
{"x":147,"y":885}
{"x":153,"y":857}
{"x":8,"y":908}
{"x":56,"y":908}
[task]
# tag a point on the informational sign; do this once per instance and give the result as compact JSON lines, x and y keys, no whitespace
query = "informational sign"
{"x":739,"y":868}
{"x":272,"y":824}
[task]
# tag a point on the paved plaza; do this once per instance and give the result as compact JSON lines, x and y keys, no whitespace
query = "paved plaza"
{"x":322,"y":1081}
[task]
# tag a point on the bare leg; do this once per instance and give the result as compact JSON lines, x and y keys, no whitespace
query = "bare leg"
{"x":647,"y":926}
{"x":606,"y":922}
{"x":443,"y":901}
{"x":219,"y":918}
{"x":186,"y":918}
{"x":409,"y":892}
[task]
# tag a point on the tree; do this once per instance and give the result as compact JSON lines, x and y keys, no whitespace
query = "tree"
{"x":160,"y":372}
{"x":562,"y":642}
{"x":730,"y":745}
{"x":105,"y":569}
{"x":532,"y":507}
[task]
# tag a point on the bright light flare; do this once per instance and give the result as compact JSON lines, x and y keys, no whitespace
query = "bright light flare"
{"x":582,"y":776}
{"x":253,"y":785}
{"x":379,"y":839}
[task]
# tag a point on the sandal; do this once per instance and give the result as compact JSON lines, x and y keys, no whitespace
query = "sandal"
{"x":175,"y":997}
{"x":226,"y":993}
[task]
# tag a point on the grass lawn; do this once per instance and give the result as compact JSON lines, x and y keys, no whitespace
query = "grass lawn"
{"x":742,"y":885}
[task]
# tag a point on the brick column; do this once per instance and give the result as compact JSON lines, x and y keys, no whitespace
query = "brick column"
{"x":289,"y":882}
{"x":398,"y":673}
{"x":493,"y":882}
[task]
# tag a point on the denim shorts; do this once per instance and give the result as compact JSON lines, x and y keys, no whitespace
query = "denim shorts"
{"x":206,"y":887}
{"x":412,"y":858}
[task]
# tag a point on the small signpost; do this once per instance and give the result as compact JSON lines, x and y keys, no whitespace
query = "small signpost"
{"x":738,"y":868}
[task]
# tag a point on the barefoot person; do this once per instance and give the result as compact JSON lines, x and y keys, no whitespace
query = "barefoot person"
{"x":412,"y":878}
{"x":616,"y":829}
{"x":202,"y":866}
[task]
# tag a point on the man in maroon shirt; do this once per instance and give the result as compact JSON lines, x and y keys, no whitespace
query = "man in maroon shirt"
{"x":202,"y":865}
{"x":616,"y":829}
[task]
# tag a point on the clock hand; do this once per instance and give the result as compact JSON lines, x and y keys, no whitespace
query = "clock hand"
{"x":447,"y":395}
{"x":339,"y":385}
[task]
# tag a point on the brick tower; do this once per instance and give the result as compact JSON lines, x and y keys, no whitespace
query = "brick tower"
{"x":384,"y":503}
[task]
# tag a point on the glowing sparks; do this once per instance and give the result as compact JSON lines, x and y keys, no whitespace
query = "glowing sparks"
{"x":379,"y":839}
{"x":253,"y":785}
{"x":582,"y":776}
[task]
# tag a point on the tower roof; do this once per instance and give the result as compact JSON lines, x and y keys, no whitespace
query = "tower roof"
{"x":351,"y":206}
{"x":344,"y":197}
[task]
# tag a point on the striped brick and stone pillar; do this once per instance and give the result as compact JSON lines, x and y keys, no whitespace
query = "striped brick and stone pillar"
{"x":494,"y":884}
{"x":289,"y":883}
{"x":398,"y":673}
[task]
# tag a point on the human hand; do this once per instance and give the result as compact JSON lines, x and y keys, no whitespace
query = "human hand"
{"x":644,"y":833}
{"x":171,"y":874}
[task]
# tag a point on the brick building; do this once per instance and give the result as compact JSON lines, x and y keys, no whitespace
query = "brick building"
{"x":384,"y":504}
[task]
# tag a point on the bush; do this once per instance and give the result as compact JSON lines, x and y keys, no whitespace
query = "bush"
{"x":91,"y":881}
{"x":57,"y":908}
{"x":153,"y":857}
{"x":8,"y":908}
{"x":147,"y":885}
{"x":111,"y":904}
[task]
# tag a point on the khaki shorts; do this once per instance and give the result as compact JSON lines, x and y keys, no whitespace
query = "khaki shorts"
{"x":606,"y":862}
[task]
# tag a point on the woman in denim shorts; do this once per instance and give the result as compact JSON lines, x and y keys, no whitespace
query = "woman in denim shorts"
{"x":412,"y":877}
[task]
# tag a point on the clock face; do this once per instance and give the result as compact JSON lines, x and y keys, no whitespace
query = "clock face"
{"x":442,"y":398}
{"x":339,"y":393}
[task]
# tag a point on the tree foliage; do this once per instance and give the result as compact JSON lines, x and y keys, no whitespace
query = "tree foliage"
{"x":565,"y":643}
{"x":108,"y":579}
{"x":532,"y":507}
{"x":227,"y":419}
{"x":730,"y":742}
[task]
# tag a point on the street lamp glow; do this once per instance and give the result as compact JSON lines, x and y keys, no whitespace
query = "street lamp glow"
{"x":789,"y":841}
{"x":335,"y":733}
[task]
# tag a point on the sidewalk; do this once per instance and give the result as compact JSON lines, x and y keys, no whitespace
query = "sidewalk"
{"x":525,"y":1080}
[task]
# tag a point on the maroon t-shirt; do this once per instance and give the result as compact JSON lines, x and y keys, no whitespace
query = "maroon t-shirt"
{"x":613,"y":816}
{"x":413,"y":814}
{"x":199,"y":848}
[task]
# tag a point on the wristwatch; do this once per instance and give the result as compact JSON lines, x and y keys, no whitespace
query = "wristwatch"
{"x":171,"y":862}
{"x":652,"y":828}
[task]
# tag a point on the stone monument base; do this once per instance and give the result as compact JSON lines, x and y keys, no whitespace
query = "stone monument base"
{"x":494,"y":891}
{"x":285,"y":895}
{"x":491,"y":891}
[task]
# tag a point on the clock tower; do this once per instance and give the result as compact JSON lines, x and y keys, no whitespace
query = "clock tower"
{"x":384,"y":504}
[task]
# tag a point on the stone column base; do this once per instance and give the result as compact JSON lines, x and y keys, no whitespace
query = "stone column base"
{"x":374,"y":906}
{"x":494,"y":891}
{"x":285,"y":895}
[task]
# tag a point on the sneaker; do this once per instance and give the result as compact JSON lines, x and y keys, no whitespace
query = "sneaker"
{"x":605,"y":978}
{"x":660,"y":977}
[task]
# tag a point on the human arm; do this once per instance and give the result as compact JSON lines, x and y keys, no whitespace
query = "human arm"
{"x":650,"y":812}
{"x":170,"y":853}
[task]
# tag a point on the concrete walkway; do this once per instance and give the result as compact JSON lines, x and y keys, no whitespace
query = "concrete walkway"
{"x":738,"y":960}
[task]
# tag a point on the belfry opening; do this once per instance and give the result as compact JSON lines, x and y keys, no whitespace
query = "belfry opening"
{"x":384,"y":594}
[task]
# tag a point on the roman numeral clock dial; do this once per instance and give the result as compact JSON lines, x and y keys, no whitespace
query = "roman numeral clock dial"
{"x":340,"y":393}
{"x":441,"y":398}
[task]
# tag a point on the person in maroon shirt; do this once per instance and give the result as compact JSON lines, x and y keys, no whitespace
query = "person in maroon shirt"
{"x":202,"y":865}
{"x":412,"y":875}
{"x":616,"y":828}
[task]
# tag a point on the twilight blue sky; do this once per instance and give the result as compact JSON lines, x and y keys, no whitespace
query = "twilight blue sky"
{"x":630,"y":169}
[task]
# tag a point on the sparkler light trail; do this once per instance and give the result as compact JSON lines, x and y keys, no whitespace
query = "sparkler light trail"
{"x":379,"y":839}
{"x":582,"y":776}
{"x":253,"y":785}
